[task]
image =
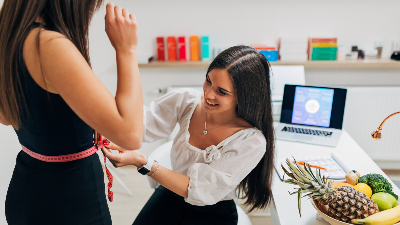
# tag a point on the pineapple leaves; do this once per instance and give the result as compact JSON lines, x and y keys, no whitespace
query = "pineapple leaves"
{"x":299,"y":202}
{"x":310,"y":171}
{"x":287,"y":173}
{"x":290,"y":181}
{"x":310,"y":183}
{"x":319,"y":177}
{"x":296,"y":173}
{"x":306,"y":174}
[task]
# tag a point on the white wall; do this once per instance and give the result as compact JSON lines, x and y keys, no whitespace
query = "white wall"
{"x":231,"y":22}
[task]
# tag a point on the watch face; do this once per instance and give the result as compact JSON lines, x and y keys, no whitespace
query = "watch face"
{"x":144,"y":171}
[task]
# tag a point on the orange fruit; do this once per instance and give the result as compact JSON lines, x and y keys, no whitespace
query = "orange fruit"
{"x":344,"y":184}
{"x":334,"y":185}
{"x":361,"y":187}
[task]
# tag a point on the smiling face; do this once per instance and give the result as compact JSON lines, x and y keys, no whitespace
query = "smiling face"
{"x":219,"y":93}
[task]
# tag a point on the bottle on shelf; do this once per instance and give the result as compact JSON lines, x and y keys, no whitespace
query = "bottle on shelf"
{"x":354,"y":52}
{"x":160,"y":49}
{"x":205,"y":48}
{"x":171,"y":45}
{"x":182,"y":48}
{"x":194,"y":48}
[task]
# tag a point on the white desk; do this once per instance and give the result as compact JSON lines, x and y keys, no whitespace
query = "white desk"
{"x":284,"y":207}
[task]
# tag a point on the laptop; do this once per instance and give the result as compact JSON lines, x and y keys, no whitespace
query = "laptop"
{"x":312,"y":115}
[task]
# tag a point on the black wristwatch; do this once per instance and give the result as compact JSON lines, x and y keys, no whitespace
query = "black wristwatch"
{"x":145,"y":169}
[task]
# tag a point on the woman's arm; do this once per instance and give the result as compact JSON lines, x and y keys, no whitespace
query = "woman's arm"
{"x":65,"y":69}
{"x":171,"y":180}
{"x":204,"y":183}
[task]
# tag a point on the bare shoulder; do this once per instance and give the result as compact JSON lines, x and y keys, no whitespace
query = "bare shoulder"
{"x":48,"y":34}
{"x":54,"y":41}
{"x":243,"y":124}
{"x":50,"y":42}
{"x":53,"y":46}
{"x":46,"y":37}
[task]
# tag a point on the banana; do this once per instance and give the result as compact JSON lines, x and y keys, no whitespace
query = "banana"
{"x":387,"y":217}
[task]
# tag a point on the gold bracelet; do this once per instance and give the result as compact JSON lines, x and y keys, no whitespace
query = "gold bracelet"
{"x":158,"y":165}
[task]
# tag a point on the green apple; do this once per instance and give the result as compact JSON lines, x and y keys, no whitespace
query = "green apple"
{"x":384,"y":200}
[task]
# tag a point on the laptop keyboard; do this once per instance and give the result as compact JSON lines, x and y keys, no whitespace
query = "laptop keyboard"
{"x":307,"y":131}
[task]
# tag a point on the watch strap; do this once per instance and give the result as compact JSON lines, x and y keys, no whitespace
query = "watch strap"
{"x":145,"y":169}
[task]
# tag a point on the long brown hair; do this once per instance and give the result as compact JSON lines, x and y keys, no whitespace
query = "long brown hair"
{"x":250,"y":73}
{"x":68,"y":17}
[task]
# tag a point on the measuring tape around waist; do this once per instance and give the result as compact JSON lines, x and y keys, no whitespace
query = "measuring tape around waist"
{"x":76,"y":156}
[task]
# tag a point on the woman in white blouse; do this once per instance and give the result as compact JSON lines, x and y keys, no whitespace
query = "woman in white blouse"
{"x":225,"y":143}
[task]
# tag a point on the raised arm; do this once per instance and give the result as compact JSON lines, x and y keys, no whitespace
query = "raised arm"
{"x":67,"y":72}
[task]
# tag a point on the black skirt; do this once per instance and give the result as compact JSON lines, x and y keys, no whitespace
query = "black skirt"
{"x":167,"y":208}
{"x":57,"y":193}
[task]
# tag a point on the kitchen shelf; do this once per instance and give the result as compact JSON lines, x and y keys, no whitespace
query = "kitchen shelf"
{"x":365,"y":63}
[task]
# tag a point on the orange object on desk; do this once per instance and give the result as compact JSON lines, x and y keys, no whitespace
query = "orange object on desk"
{"x":307,"y":164}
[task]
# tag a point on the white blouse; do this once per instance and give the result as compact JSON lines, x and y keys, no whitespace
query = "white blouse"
{"x":214,"y":172}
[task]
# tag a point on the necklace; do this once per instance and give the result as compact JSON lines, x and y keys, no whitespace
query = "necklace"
{"x":205,"y":125}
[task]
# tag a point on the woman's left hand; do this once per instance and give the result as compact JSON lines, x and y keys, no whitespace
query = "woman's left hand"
{"x":125,"y":157}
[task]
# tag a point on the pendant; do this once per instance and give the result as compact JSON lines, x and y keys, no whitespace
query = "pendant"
{"x":205,"y":132}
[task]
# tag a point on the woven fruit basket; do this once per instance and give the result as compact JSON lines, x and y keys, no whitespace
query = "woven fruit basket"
{"x":323,"y":211}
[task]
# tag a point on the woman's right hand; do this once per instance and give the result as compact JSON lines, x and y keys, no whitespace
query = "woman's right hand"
{"x":121,"y":28}
{"x":125,"y":157}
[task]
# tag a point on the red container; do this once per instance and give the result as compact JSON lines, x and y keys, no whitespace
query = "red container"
{"x":182,"y":48}
{"x":171,"y":45}
{"x":319,"y":40}
{"x":160,"y":49}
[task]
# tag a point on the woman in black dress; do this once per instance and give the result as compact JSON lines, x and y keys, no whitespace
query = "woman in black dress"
{"x":51,"y":97}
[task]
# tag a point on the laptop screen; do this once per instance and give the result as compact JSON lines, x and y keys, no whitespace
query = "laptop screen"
{"x":313,"y":106}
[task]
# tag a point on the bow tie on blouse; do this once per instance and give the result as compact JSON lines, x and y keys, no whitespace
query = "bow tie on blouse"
{"x":212,"y":153}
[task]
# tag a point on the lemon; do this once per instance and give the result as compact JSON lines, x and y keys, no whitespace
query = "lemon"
{"x":361,"y":187}
{"x":384,"y":200}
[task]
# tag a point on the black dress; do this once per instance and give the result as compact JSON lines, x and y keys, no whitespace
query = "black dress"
{"x":54,"y":192}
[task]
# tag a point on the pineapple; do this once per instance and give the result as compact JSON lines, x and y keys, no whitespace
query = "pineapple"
{"x":345,"y":203}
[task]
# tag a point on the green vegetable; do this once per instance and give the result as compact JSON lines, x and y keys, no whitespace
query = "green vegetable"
{"x":377,"y":183}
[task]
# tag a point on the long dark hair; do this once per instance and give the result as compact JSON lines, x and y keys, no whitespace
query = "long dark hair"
{"x":250,"y":73}
{"x":68,"y":17}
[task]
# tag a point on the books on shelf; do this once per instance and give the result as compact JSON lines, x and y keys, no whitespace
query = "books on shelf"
{"x":323,"y":48}
{"x":271,"y":53}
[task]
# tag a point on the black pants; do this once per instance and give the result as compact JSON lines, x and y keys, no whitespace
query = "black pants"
{"x":165,"y":207}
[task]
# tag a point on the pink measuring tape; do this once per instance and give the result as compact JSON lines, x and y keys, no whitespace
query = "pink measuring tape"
{"x":76,"y":156}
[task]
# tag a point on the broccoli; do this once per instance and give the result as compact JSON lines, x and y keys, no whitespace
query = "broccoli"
{"x":377,"y":183}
